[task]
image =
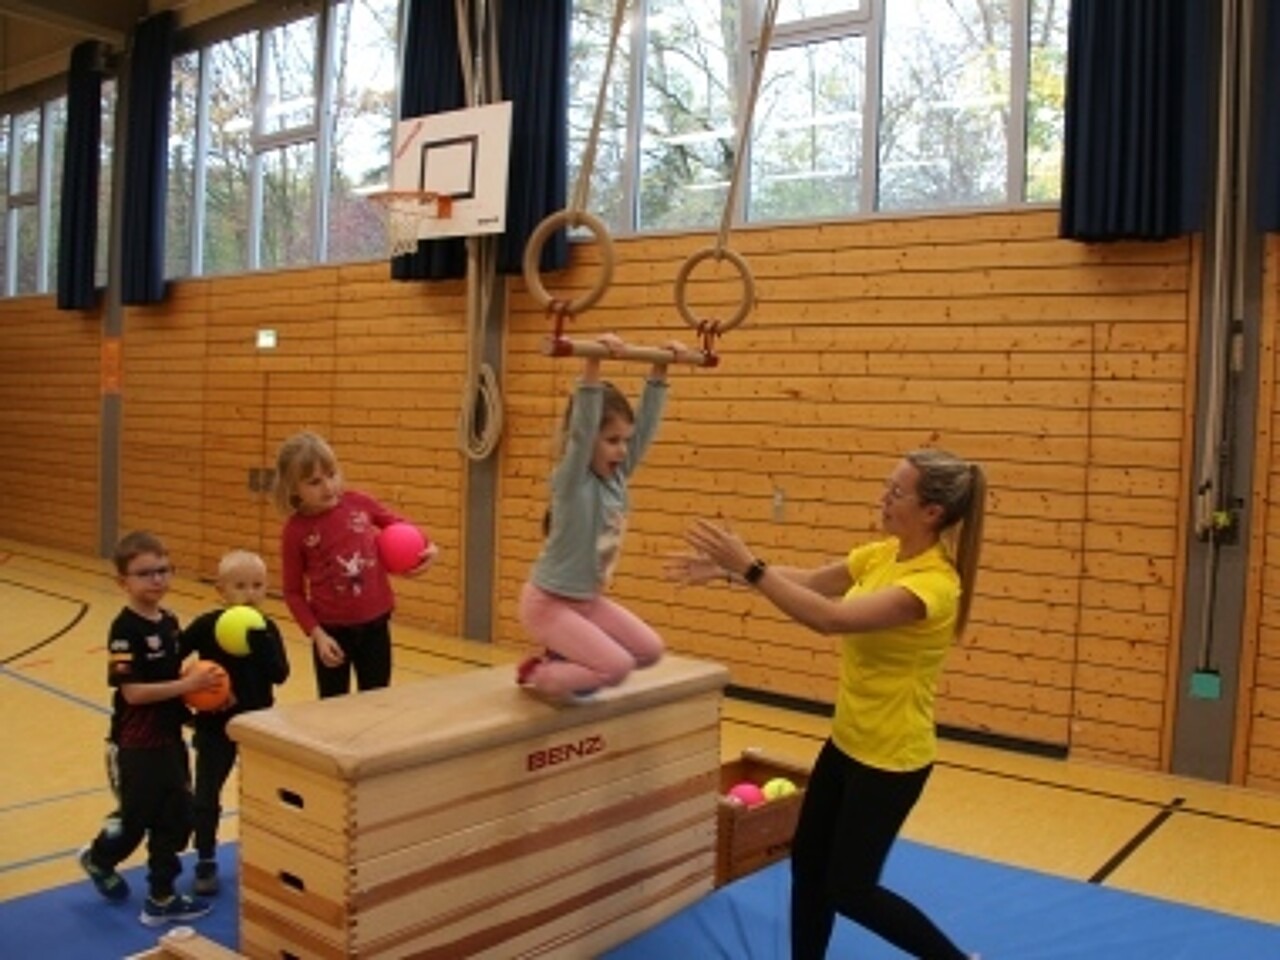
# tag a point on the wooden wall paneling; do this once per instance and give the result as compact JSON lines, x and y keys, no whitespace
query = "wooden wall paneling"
{"x":400,"y":364}
{"x":50,"y":403}
{"x":256,"y":397}
{"x":985,"y":334}
{"x":163,"y":445}
{"x":1256,"y":761}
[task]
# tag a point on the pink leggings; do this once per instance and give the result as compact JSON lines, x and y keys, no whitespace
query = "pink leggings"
{"x":601,"y":642}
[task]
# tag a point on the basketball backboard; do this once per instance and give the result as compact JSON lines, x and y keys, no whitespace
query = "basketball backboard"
{"x":463,"y":155}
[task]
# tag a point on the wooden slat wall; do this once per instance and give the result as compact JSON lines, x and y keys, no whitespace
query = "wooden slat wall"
{"x":1258,"y":719}
{"x":1064,"y":368}
{"x":50,"y":404}
{"x":377,"y":367}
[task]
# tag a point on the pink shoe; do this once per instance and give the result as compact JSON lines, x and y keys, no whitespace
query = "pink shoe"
{"x":527,"y":668}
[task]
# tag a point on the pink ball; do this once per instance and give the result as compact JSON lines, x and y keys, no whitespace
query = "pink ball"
{"x":400,"y":545}
{"x":746,"y":793}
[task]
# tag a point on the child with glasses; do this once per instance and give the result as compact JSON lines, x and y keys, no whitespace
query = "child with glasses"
{"x":254,"y":673}
{"x":335,"y":583}
{"x":144,"y":668}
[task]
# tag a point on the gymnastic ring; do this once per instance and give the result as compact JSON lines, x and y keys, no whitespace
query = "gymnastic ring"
{"x":533,"y":253}
{"x":744,"y":271}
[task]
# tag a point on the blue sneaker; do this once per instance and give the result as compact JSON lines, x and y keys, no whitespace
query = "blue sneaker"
{"x":108,"y":883}
{"x":176,"y":909}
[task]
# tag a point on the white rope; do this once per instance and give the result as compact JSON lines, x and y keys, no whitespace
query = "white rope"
{"x":744,"y":134}
{"x":480,"y":418}
{"x":582,"y":188}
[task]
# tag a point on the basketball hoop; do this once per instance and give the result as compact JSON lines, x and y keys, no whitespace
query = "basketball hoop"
{"x":406,"y":209}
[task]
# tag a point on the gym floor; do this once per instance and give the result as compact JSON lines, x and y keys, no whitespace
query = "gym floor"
{"x":1188,"y":841}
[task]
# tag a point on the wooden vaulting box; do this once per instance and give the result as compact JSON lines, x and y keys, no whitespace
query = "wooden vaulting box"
{"x":457,"y":816}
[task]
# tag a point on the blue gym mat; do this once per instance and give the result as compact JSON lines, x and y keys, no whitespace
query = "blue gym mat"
{"x":997,"y":911}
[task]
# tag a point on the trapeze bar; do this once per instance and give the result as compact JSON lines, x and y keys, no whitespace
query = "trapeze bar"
{"x":565,"y":347}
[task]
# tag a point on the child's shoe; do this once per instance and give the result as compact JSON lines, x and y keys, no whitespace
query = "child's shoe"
{"x":526,"y":670}
{"x":206,"y":883}
{"x":108,"y":883}
{"x":176,"y":909}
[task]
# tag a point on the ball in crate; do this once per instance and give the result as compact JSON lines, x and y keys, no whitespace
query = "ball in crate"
{"x":400,"y":546}
{"x":209,"y":698}
{"x":746,"y":793}
{"x":777,"y":788}
{"x":232,"y":628}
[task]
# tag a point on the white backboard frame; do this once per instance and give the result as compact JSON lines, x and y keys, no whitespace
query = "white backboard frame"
{"x":462,"y":154}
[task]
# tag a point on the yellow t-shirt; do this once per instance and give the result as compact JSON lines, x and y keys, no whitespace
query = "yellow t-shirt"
{"x":884,"y":707}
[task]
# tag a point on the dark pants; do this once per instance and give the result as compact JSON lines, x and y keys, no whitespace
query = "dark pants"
{"x":155,"y":804}
{"x":849,"y":819}
{"x":367,"y":649}
{"x":215,"y":756}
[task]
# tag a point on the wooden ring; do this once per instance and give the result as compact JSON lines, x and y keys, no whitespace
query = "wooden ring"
{"x":744,"y":271}
{"x":533,"y":253}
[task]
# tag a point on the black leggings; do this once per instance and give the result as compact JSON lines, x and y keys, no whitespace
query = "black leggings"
{"x":215,"y":756}
{"x":366,"y":648}
{"x":850,"y":817}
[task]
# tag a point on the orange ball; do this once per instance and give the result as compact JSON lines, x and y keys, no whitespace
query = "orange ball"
{"x":210,"y":698}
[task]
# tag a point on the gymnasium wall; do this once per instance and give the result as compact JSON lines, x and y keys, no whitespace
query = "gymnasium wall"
{"x":1066,"y":369}
{"x":375,"y":367}
{"x":1258,"y":716}
{"x":49,"y":416}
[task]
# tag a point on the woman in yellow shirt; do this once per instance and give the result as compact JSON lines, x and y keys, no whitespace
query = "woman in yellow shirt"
{"x":899,"y":602}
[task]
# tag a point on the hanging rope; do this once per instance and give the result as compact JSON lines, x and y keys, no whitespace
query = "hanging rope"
{"x":710,"y":329}
{"x":575,"y":214}
{"x":480,"y":420}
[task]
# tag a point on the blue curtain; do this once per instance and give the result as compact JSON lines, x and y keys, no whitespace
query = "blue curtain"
{"x":146,"y":161}
{"x":1137,"y":119}
{"x":534,"y":50}
{"x":78,"y":215}
{"x":431,"y":82}
{"x":533,"y":41}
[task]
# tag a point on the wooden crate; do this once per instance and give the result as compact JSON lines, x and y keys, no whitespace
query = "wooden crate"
{"x":458,"y":816}
{"x":749,"y":838}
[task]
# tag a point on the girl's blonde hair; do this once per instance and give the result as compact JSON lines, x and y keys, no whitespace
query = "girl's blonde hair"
{"x":298,"y":458}
{"x":960,"y":488}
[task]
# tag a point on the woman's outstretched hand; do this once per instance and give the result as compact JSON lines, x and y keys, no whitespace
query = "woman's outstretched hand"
{"x":720,"y":546}
{"x":691,"y":568}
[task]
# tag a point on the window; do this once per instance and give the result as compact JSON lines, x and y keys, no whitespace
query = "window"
{"x":32,"y":151}
{"x":228,"y":161}
{"x":864,"y":105}
{"x":275,"y":136}
{"x":363,"y":111}
{"x":182,"y":225}
{"x":284,"y":144}
{"x":105,"y":177}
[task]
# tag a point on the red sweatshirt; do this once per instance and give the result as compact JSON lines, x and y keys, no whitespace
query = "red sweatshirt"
{"x":330,"y":565}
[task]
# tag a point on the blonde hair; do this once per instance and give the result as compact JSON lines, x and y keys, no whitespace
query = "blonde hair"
{"x":959,"y":487}
{"x":233,"y":560}
{"x":298,"y":458}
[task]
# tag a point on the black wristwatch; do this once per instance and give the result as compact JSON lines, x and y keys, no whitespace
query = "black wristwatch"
{"x":754,"y":572}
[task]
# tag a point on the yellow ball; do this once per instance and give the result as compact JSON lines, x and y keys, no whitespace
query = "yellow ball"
{"x":233,"y":626}
{"x":778,"y":787}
